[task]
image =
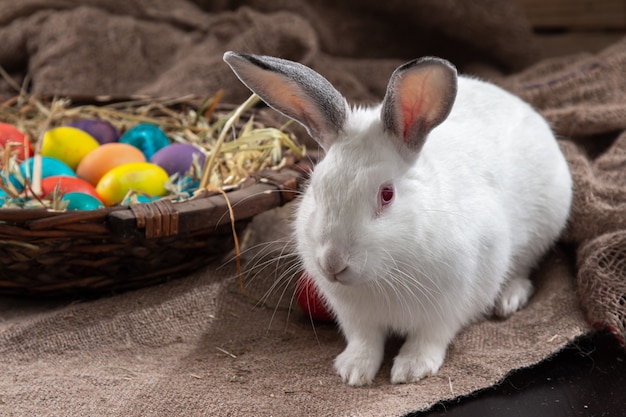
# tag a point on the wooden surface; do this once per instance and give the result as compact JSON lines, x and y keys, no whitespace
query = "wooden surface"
{"x":573,"y":42}
{"x":577,"y":14}
{"x":566,"y":27}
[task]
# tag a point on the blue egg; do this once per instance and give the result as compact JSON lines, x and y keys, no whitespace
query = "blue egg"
{"x":16,"y":183}
{"x":147,"y":137}
{"x":139,"y":199}
{"x":3,"y":197}
{"x":49,"y":168}
{"x":82,"y":201}
{"x":146,"y":199}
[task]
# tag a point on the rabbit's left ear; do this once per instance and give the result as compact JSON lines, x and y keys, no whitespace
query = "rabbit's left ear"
{"x":294,"y":90}
{"x":419,"y":97}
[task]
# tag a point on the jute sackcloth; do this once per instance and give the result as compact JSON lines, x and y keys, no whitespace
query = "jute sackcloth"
{"x":196,"y":346}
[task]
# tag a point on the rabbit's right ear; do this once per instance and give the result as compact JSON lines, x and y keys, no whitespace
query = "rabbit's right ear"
{"x":294,"y":90}
{"x":419,"y":97}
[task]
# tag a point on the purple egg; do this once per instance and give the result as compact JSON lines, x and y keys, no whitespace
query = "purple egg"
{"x":102,"y":131}
{"x":177,"y":158}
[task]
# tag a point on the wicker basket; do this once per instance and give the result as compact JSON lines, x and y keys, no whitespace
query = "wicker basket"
{"x":47,"y":253}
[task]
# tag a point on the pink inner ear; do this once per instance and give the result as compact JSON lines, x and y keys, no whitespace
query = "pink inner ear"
{"x":411,"y":109}
{"x":414,"y":100}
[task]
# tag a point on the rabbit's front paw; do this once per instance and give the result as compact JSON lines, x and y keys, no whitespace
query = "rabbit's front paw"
{"x":357,"y":366}
{"x":409,"y":368}
{"x":513,"y":296}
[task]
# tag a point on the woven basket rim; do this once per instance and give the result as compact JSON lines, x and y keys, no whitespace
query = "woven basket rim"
{"x":267,"y":189}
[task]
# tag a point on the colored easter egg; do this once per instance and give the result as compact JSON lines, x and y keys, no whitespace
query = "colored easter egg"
{"x":3,"y":198}
{"x":136,"y":176}
{"x":310,"y":300}
{"x":67,"y":144}
{"x":101,"y":130}
{"x":11,"y":179}
{"x":138,"y":199}
{"x":177,"y":158}
{"x":147,"y":137}
{"x":11,"y":134}
{"x":82,"y":201}
{"x":49,"y":168}
{"x":106,"y":157}
{"x":68,"y":185}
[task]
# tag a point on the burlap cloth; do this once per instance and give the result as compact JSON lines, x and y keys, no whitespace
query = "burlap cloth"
{"x":195,"y":346}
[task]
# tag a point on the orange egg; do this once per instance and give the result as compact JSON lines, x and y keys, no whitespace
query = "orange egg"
{"x":106,"y":157}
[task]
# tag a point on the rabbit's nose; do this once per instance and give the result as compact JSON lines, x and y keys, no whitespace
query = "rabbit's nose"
{"x":332,"y":262}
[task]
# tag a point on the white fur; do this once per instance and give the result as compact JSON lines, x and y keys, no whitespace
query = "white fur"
{"x":488,"y":195}
{"x":478,"y":201}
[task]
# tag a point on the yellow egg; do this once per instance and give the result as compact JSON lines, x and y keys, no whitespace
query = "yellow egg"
{"x":136,"y":176}
{"x":67,"y":144}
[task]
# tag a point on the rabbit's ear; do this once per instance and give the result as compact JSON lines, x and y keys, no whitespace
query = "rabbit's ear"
{"x":419,"y":96}
{"x":294,"y":90}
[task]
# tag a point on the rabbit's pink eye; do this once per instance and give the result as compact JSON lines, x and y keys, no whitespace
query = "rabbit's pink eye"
{"x":386,"y":195}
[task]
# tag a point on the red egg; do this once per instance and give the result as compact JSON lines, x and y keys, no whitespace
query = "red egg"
{"x":68,"y":185}
{"x":310,"y":300}
{"x":11,"y":134}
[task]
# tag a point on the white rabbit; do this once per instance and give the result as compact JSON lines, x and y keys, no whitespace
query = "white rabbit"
{"x":427,"y":212}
